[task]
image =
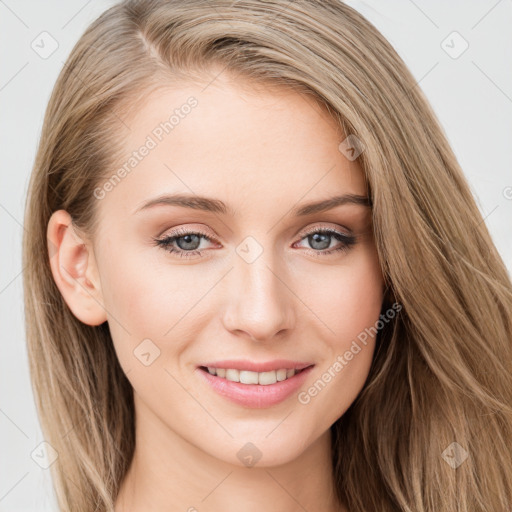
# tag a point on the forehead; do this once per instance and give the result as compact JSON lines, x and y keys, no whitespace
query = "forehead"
{"x":246,"y":145}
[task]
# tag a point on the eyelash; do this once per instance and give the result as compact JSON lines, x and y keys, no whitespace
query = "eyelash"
{"x":347,"y":241}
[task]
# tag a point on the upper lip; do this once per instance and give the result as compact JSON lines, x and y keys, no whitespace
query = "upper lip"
{"x":252,"y":366}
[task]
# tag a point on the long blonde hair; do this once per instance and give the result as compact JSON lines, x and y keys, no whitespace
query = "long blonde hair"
{"x":440,"y":385}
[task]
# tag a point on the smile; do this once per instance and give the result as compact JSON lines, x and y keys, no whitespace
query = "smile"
{"x":251,"y":388}
{"x":248,"y":377}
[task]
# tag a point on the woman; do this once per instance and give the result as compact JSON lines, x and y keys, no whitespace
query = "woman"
{"x":256,"y":277}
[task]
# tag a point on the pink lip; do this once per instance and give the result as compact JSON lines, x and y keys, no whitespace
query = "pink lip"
{"x":255,"y":395}
{"x":245,"y":364}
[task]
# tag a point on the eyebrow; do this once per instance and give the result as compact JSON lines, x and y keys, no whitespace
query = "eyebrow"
{"x":216,"y":206}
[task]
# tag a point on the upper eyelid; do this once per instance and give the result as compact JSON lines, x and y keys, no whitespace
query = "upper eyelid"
{"x":323,"y":228}
{"x":181,"y":231}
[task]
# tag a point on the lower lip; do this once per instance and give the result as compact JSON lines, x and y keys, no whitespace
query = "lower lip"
{"x":255,"y":395}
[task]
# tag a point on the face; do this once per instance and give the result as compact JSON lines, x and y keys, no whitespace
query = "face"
{"x":246,"y":279}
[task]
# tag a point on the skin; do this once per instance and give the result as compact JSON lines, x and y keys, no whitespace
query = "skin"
{"x":263,"y":152}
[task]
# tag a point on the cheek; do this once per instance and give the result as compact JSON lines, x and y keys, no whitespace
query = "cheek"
{"x":135,"y":296}
{"x":349,"y":305}
{"x":137,"y":301}
{"x":147,"y":299}
{"x":346,"y":298}
{"x":144,"y":292}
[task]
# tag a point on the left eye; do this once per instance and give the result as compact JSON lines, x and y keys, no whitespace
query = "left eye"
{"x":320,"y":239}
{"x":188,"y":242}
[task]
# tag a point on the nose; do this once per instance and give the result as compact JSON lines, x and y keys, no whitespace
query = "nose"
{"x":260,"y":304}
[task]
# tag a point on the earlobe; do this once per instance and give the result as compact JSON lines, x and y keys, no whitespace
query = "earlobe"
{"x":74,"y":270}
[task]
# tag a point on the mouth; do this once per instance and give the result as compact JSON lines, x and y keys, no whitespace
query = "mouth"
{"x":253,"y":378}
{"x":252,"y":389}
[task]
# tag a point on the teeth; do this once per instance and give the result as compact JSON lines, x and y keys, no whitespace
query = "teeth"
{"x":247,"y":377}
{"x":266,"y":378}
{"x":281,"y":374}
{"x":233,"y":375}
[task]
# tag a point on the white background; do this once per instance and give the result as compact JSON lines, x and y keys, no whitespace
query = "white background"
{"x":471,"y":94}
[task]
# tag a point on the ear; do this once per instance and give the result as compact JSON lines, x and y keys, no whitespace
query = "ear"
{"x":74,"y":270}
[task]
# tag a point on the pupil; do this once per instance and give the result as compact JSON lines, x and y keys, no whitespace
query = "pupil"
{"x":194,"y":244}
{"x":321,"y":238}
